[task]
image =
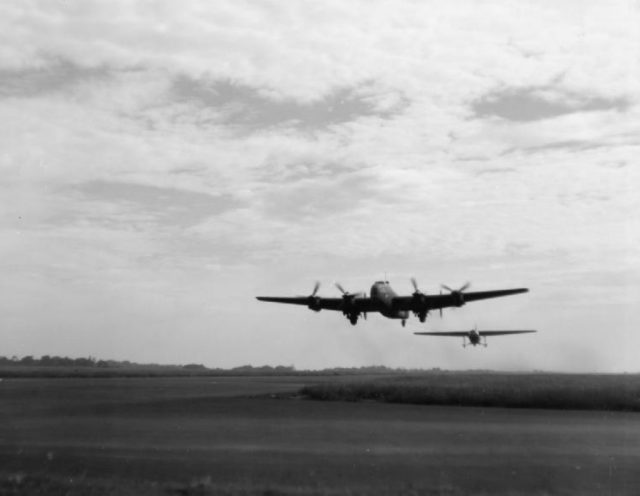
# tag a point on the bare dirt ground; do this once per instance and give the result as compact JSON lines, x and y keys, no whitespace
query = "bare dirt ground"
{"x":237,"y":436}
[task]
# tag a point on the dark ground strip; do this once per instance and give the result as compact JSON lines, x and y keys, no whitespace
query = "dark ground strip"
{"x":186,"y":436}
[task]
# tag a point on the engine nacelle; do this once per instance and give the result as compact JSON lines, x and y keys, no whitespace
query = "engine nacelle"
{"x":458,"y":298}
{"x":313,"y":303}
{"x":419,"y":302}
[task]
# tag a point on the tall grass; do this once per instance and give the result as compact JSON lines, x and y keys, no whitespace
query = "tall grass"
{"x":552,"y":391}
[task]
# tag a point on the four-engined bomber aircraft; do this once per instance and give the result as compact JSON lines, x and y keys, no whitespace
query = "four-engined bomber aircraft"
{"x":474,"y":336}
{"x":384,"y":299}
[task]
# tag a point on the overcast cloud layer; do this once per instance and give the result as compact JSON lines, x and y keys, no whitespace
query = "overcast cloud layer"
{"x":164,"y":162}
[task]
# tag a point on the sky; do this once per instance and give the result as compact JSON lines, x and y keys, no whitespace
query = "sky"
{"x":162,"y":163}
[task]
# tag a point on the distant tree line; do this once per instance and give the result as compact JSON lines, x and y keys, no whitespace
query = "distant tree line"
{"x":57,"y":366}
{"x":58,"y":361}
{"x":91,"y":362}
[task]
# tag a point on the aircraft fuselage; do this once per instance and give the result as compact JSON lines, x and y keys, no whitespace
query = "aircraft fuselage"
{"x":474,"y":338}
{"x":383,"y":295}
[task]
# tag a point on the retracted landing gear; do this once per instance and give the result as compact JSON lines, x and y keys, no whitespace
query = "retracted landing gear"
{"x":353,"y":318}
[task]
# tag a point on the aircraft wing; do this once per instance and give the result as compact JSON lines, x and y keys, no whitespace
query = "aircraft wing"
{"x":436,"y":301}
{"x":363,"y":304}
{"x":452,"y":333}
{"x":466,"y":333}
{"x":483,"y":295}
{"x":499,"y":333}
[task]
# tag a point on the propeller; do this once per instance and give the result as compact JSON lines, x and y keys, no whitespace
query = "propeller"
{"x":315,"y":288}
{"x":349,"y":307}
{"x":346,"y":294}
{"x":416,"y":289}
{"x":341,"y":289}
{"x":420,"y":307}
{"x":457,"y":293}
{"x":465,"y":286}
{"x":313,"y":300}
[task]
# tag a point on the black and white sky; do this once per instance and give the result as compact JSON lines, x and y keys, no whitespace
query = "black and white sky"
{"x":162,"y":162}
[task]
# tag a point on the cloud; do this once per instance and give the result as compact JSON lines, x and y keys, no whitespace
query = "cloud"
{"x":521,"y":105}
{"x":57,"y":76}
{"x":145,"y":147}
{"x":578,"y":130}
{"x":165,"y":206}
{"x":246,"y":109}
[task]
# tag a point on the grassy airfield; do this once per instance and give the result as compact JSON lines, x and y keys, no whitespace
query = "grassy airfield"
{"x":506,"y":390}
{"x":262,"y":435}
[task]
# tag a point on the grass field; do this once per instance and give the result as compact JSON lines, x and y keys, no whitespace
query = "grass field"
{"x":255,"y":436}
{"x":545,"y":391}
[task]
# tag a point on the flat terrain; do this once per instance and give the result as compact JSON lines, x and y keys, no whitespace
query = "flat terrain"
{"x":251,"y":435}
